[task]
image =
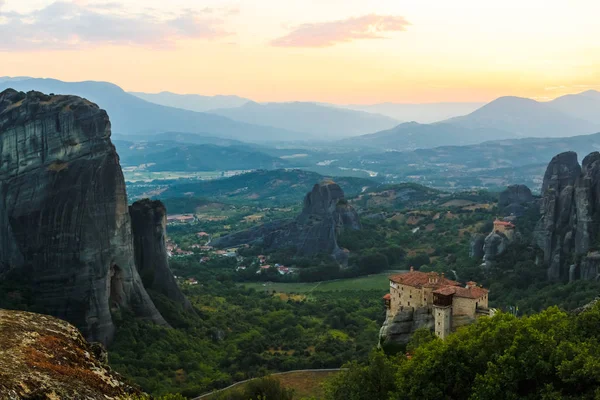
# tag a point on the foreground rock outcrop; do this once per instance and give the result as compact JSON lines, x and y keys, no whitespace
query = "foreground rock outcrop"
{"x":64,"y":220}
{"x":42,"y":357}
{"x":148,"y":224}
{"x":569,"y":227}
{"x":325,"y":214}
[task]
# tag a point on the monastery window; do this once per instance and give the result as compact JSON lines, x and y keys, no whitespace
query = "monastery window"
{"x":410,"y":296}
{"x":409,"y":303}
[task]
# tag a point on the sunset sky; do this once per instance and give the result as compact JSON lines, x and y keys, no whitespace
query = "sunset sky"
{"x":341,"y":51}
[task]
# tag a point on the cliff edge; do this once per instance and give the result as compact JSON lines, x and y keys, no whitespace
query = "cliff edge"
{"x":42,"y":357}
{"x":64,"y":220}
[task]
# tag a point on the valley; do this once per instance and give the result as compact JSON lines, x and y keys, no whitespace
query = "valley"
{"x":299,"y":200}
{"x":254,"y":258}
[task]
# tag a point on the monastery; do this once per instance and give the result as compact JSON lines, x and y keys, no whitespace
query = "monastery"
{"x":451,"y":304}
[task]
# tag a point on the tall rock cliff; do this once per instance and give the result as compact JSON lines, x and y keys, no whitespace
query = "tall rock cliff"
{"x":148,"y":223}
{"x":64,"y":220}
{"x":325,"y":214}
{"x":569,"y":227}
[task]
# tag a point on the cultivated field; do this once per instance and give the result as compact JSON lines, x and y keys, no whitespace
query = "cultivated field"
{"x":370,"y":282}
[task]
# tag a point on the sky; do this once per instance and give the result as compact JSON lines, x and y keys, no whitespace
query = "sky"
{"x":338,"y":51}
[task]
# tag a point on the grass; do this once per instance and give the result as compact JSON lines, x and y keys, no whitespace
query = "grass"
{"x":306,"y":384}
{"x":370,"y":282}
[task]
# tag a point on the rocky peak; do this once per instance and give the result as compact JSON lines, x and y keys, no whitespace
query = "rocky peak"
{"x":514,"y":200}
{"x":64,"y":220}
{"x":325,"y":214}
{"x":148,"y":224}
{"x":562,"y":171}
{"x":570,"y":217}
{"x":322,"y":199}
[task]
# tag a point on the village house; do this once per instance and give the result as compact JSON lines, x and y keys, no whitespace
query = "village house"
{"x":179,"y":252}
{"x":202,"y":234}
{"x":282,"y":269}
{"x":191,"y":281}
{"x":180,"y":218}
{"x":263,"y":268}
{"x":451,"y":304}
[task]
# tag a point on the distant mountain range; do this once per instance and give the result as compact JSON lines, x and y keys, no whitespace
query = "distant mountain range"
{"x":584,"y":105}
{"x":503,"y":118}
{"x":132,"y":115}
{"x":316,"y":119}
{"x":237,"y":118}
{"x":529,"y":118}
{"x":423,"y":113}
{"x":412,"y":135}
{"x":192,"y":102}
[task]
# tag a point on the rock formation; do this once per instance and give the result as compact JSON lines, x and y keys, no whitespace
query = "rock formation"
{"x":568,"y":229}
{"x":148,"y":224}
{"x":494,"y":244}
{"x":514,"y":200}
{"x":399,"y":328}
{"x":325,"y":214}
{"x":476,"y":246}
{"x":46,"y":358}
{"x":64,"y":220}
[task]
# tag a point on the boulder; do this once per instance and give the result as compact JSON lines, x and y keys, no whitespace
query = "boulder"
{"x":64,"y":220}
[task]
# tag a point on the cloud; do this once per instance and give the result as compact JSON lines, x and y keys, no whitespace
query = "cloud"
{"x":324,"y":34}
{"x":74,"y":25}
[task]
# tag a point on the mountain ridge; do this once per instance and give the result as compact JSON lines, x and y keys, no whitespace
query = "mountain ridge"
{"x":130,"y":115}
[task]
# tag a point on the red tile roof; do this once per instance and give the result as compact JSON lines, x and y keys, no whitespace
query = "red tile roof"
{"x":504,"y":223}
{"x":387,"y":297}
{"x":446,"y":290}
{"x":469,"y":293}
{"x":423,"y":279}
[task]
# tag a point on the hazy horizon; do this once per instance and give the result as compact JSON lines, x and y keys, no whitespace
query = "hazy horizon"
{"x":341,"y":52}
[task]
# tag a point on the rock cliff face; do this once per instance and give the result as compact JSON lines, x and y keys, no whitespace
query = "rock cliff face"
{"x":47,"y":358}
{"x":324,"y":216}
{"x":476,"y":246}
{"x":148,"y":223}
{"x":494,"y":244}
{"x":514,"y":200}
{"x":64,"y":220}
{"x":398,"y":329}
{"x":570,"y":217}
